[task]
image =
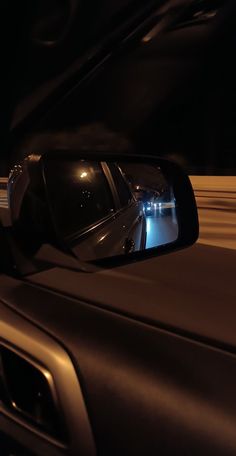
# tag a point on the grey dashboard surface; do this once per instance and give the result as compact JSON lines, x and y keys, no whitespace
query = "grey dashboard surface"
{"x":192,"y":291}
{"x":147,"y":389}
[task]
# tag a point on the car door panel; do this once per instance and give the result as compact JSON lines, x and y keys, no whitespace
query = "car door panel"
{"x":110,"y":237}
{"x":148,"y":388}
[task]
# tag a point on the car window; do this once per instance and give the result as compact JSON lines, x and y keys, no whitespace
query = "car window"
{"x":79,"y":194}
{"x":122,"y":188}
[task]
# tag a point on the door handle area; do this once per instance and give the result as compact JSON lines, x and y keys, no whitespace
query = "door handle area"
{"x":129,"y":246}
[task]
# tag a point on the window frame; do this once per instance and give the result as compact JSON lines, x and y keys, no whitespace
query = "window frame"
{"x":121,"y":207}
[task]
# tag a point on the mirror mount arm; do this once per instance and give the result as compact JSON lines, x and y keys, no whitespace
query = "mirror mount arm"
{"x":15,"y":262}
{"x":55,"y":257}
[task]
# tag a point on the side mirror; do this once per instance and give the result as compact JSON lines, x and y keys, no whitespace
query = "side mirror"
{"x":102,"y":207}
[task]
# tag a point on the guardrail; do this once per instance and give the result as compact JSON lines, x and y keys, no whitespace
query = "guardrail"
{"x":216,"y":202}
{"x":3,"y":192}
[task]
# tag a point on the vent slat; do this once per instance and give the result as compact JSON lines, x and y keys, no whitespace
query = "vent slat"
{"x":25,"y":390}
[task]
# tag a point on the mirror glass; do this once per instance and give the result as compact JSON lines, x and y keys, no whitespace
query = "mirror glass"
{"x":104,"y":209}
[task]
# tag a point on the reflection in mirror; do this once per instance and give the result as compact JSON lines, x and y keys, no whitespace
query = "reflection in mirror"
{"x":104,"y":209}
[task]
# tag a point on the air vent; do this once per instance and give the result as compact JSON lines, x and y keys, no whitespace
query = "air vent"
{"x":27,"y":390}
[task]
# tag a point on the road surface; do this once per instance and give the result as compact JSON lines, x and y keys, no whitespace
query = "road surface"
{"x":161,"y":229}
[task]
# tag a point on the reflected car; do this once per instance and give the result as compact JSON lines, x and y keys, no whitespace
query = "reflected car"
{"x":147,"y":198}
{"x":149,"y":208}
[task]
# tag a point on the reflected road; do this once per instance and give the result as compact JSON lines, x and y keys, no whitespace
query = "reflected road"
{"x":161,"y":229}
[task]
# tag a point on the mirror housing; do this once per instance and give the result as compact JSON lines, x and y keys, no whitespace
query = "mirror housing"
{"x":32,"y":193}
